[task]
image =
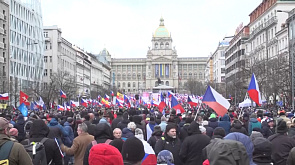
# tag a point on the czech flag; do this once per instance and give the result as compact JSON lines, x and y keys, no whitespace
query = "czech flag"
{"x":61,"y":108}
{"x":106,"y":97}
{"x":192,"y":101}
{"x":4,"y":96}
{"x":84,"y":103}
{"x":216,"y":101}
{"x":162,"y":104}
{"x":253,"y":91}
{"x":176,"y":105}
{"x":98,"y":97}
{"x":170,"y":94}
{"x":126,"y":100}
{"x":150,"y":156}
{"x":73,"y":104}
{"x":112,"y":93}
{"x":62,"y":94}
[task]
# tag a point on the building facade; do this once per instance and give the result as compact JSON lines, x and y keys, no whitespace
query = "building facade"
{"x":134,"y":75}
{"x":4,"y":45}
{"x":26,"y":46}
{"x":235,"y":60}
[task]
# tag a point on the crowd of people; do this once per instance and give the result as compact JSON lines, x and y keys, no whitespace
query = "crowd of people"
{"x":148,"y":137}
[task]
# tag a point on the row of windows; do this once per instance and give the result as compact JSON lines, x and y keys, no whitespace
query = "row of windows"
{"x":191,"y":66}
{"x":161,"y":45}
{"x":129,"y":77}
{"x":190,"y":75}
{"x":133,"y":84}
{"x":46,"y":72}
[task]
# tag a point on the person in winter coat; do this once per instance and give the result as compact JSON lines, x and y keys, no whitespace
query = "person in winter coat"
{"x":267,"y":127}
{"x":255,"y":134}
{"x":191,"y":149}
{"x":238,"y":127}
{"x":38,"y":131}
{"x":165,"y":157}
{"x":291,"y":130}
{"x":56,"y":130}
{"x":225,"y":123}
{"x":104,"y":152}
{"x":213,"y":122}
{"x":245,"y":140}
{"x":123,"y":124}
{"x":155,"y":136}
{"x":117,"y":120}
{"x":184,"y":130}
{"x":20,"y":126}
{"x":137,"y":120}
{"x":253,"y":123}
{"x":150,"y":127}
{"x":18,"y":154}
{"x":209,"y":130}
{"x":262,"y":151}
{"x":281,"y":143}
{"x":68,"y":140}
{"x":129,"y":131}
{"x":163,"y":123}
{"x":102,"y":134}
{"x":170,"y":142}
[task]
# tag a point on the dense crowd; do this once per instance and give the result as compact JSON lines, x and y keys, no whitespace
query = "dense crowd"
{"x":148,"y":137}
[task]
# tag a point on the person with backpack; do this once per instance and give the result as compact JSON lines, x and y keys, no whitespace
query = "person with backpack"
{"x":102,"y":134}
{"x":156,"y":135}
{"x":56,"y":130}
{"x":68,"y":140}
{"x":253,"y":123}
{"x":38,"y":133}
{"x":11,"y":153}
{"x":20,"y":126}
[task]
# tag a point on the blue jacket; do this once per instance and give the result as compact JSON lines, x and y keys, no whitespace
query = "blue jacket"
{"x":53,"y":123}
{"x":245,"y":140}
{"x":126,"y":133}
{"x":68,"y":140}
{"x":225,"y":123}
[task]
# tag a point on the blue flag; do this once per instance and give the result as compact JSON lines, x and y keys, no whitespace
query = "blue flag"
{"x":23,"y":109}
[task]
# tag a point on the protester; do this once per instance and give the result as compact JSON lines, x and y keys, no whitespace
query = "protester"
{"x":163,"y":123}
{"x":238,"y":127}
{"x":102,"y":154}
{"x":253,"y":123}
{"x":117,"y":133}
{"x":129,"y":131}
{"x":133,"y":151}
{"x":225,"y":123}
{"x":213,"y":122}
{"x":165,"y":157}
{"x":262,"y":151}
{"x":156,"y":135}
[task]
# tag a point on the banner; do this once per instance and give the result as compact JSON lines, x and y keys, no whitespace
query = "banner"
{"x":3,"y":106}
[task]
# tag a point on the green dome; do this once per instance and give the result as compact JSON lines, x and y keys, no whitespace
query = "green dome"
{"x":161,"y":31}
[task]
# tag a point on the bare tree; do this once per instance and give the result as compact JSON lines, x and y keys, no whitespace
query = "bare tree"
{"x":195,"y":87}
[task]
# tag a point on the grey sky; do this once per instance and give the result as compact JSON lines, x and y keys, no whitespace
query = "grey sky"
{"x":125,"y":27}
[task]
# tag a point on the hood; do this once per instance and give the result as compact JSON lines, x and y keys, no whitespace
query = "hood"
{"x":20,"y":121}
{"x":125,"y":116}
{"x":67,"y":124}
{"x":253,"y":120}
{"x":225,"y":118}
{"x":53,"y":122}
{"x":213,"y":120}
{"x":38,"y":129}
{"x":3,"y":139}
{"x":194,"y":128}
{"x":103,"y":131}
{"x":237,"y":125}
{"x":244,"y":139}
{"x":137,"y":119}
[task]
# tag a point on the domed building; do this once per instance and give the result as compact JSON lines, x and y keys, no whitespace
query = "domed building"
{"x":136,"y":75}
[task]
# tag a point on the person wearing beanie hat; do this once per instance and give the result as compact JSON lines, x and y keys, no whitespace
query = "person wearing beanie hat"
{"x":209,"y":130}
{"x":118,"y":143}
{"x":133,"y":151}
{"x":192,"y":146}
{"x":155,"y":136}
{"x":219,"y":133}
{"x":102,"y":154}
{"x":238,"y":127}
{"x":253,"y":123}
{"x":262,"y":151}
{"x":281,"y":144}
{"x":268,"y":127}
{"x":165,"y":157}
{"x":163,"y":123}
{"x":170,"y":142}
{"x":213,"y":121}
{"x":283,"y":116}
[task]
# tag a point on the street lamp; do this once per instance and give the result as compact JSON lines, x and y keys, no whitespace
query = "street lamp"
{"x":291,"y":49}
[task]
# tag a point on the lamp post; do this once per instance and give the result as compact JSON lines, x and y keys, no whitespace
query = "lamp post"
{"x":291,"y":50}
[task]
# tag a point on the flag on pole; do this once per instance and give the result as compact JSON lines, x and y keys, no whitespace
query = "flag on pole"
{"x":61,"y":108}
{"x":62,"y":94}
{"x":23,"y":98}
{"x":216,"y":101}
{"x":84,"y":102}
{"x":106,"y":97}
{"x":162,"y":104}
{"x":176,"y":105}
{"x":192,"y":101}
{"x":112,"y":93}
{"x":253,"y":91}
{"x":4,"y":96}
{"x":23,"y":109}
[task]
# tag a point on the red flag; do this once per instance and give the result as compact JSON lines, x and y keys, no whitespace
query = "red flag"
{"x":23,"y":98}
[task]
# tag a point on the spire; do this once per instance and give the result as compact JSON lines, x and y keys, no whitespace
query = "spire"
{"x":161,"y":21}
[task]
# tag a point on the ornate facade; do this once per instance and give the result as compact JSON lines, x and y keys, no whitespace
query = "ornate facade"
{"x":135,"y":75}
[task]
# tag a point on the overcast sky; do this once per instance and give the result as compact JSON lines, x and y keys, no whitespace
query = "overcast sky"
{"x":125,"y":27}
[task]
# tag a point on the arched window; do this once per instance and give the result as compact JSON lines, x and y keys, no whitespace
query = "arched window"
{"x":156,"y":45}
{"x":129,"y":76}
{"x":119,"y":84}
{"x":134,"y":85}
{"x":124,"y":76}
{"x":184,"y":75}
{"x":167,"y":83}
{"x":138,"y":76}
{"x":129,"y":84}
{"x":167,"y":45}
{"x":200,"y":76}
{"x":195,"y":75}
{"x":134,"y":76}
{"x":119,"y":76}
{"x":123,"y":85}
{"x":161,"y":45}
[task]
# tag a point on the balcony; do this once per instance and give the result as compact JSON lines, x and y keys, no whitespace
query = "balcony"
{"x":2,"y":31}
{"x":271,"y":21}
{"x":1,"y":59}
{"x":1,"y":45}
{"x":257,"y":30}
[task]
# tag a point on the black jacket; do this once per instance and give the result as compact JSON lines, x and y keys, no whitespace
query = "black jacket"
{"x":184,"y":132}
{"x":238,"y":127}
{"x":266,"y":131}
{"x":209,"y":131}
{"x":213,"y":123}
{"x":116,"y":121}
{"x":40,"y":130}
{"x":168,"y":143}
{"x":191,"y":149}
{"x":154,"y":138}
{"x":124,"y":122}
{"x":20,"y":126}
{"x":103,"y":132}
{"x":281,"y":145}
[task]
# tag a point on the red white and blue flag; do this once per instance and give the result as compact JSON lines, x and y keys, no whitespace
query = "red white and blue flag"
{"x":176,"y":105}
{"x":112,"y":93}
{"x":84,"y":103}
{"x":162,"y":104}
{"x":61,"y":108}
{"x":192,"y":101}
{"x":106,"y":97}
{"x":4,"y":96}
{"x":62,"y":94}
{"x":170,"y":94}
{"x":150,"y":156}
{"x":216,"y":101}
{"x":253,"y":91}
